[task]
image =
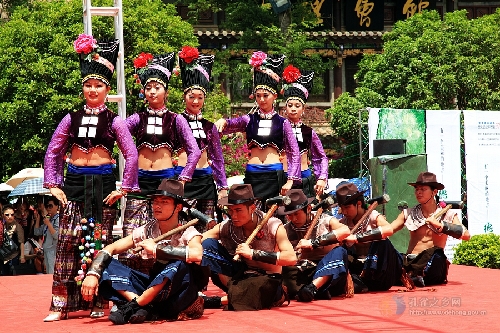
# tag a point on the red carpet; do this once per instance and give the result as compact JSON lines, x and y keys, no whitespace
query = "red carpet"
{"x":468,"y":303}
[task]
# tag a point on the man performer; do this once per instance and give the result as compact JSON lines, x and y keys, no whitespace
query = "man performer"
{"x":255,"y":282}
{"x":170,"y":291}
{"x":425,"y":261}
{"x":376,"y":264}
{"x":321,"y":271}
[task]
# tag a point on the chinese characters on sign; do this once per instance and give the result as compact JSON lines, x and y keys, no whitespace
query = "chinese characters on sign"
{"x":364,"y":15}
{"x":407,"y":8}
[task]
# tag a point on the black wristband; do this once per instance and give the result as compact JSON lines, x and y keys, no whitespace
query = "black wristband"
{"x":453,"y":230}
{"x":369,"y":236}
{"x":100,"y":262}
{"x":324,"y":240}
{"x":166,"y":252}
{"x":264,"y":256}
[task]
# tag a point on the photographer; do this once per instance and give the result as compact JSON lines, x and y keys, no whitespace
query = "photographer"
{"x":33,"y":253}
{"x":49,"y":230}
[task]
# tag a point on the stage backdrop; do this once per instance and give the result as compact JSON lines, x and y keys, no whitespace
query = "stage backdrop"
{"x":482,"y":148}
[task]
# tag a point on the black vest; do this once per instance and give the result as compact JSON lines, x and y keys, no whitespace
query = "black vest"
{"x":90,"y":134}
{"x":275,"y":138}
{"x":155,"y":140}
{"x":305,"y":144}
{"x":207,"y":128}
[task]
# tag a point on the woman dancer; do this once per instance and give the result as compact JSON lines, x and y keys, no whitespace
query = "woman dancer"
{"x":158,"y":132}
{"x":195,"y":74}
{"x":296,"y":90}
{"x":89,"y":191}
{"x":268,"y":134}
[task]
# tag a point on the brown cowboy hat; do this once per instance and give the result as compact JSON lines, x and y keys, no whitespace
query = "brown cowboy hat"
{"x":299,"y":201}
{"x":347,"y":194}
{"x":238,"y":193}
{"x":429,"y":179}
{"x":171,"y":188}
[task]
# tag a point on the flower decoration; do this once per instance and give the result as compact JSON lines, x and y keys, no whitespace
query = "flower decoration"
{"x":258,"y":59}
{"x":291,"y":74}
{"x":87,"y":47}
{"x":141,"y":63}
{"x":85,"y":44}
{"x":189,"y":54}
{"x":442,"y":204}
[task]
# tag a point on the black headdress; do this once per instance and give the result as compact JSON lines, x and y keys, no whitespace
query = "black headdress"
{"x":158,"y":68}
{"x":267,"y":70}
{"x":195,"y":69}
{"x":297,"y":83}
{"x":97,"y":59}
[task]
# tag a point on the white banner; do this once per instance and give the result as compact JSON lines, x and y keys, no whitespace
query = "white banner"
{"x":442,"y":146}
{"x":373,"y":120}
{"x":482,"y":148}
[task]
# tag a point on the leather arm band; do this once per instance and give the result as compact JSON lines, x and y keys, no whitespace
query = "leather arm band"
{"x":99,"y":264}
{"x":369,"y":236}
{"x":324,"y":240}
{"x":453,"y":230}
{"x":166,"y":252}
{"x":264,"y":256}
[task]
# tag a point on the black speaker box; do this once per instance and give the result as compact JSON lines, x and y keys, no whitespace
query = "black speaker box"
{"x":389,"y":147}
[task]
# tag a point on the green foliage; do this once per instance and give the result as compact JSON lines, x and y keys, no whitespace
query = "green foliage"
{"x":344,"y":116}
{"x":217,"y":105}
{"x":481,"y":251}
{"x":429,"y":63}
{"x":39,"y":70}
{"x":249,"y":15}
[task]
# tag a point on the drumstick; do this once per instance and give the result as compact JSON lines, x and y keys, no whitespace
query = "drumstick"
{"x":311,"y":228}
{"x":170,"y":233}
{"x":376,"y":201}
{"x":259,"y":226}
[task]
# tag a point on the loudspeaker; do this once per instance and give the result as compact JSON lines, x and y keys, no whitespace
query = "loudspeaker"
{"x":389,"y":147}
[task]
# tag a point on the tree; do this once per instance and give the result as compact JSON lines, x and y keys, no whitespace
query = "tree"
{"x":39,"y":70}
{"x":427,"y":63}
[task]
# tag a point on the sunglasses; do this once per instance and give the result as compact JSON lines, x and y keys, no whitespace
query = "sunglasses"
{"x":8,"y":214}
{"x":50,"y":205}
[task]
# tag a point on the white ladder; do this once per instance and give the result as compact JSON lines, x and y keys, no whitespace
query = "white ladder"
{"x":120,"y":97}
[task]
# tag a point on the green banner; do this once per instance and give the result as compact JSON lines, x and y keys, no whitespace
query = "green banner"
{"x":403,"y":124}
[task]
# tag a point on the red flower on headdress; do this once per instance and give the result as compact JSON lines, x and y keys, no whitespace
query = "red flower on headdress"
{"x":84,"y":44}
{"x":188,"y":54}
{"x":258,"y":59}
{"x":142,"y":60}
{"x":291,"y":74}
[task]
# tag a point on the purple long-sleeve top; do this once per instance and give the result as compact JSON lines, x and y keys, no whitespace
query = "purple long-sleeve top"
{"x":214,"y":150}
{"x":217,"y":157}
{"x":59,"y":144}
{"x":183,"y":139}
{"x":318,"y":158}
{"x":239,"y":124}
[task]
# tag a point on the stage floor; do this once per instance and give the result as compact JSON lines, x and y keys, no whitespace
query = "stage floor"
{"x":466,"y":304}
